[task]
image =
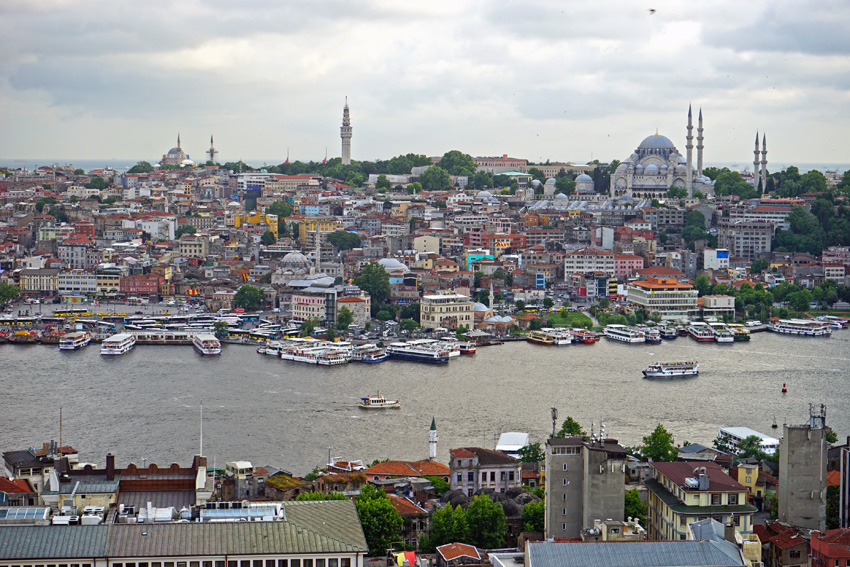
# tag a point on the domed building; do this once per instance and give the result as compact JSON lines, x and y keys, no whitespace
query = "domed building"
{"x":293,"y":266}
{"x":584,"y":184}
{"x":656,"y":166}
{"x":175,"y":156}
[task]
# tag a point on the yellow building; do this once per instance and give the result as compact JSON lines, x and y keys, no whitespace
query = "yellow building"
{"x":325,"y":226}
{"x":446,"y":309}
{"x":256,"y":218}
{"x":681,"y":493}
{"x":43,"y":280}
{"x":748,"y":475}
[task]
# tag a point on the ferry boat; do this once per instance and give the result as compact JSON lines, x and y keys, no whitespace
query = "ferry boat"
{"x":701,"y":332}
{"x":467,"y":347}
{"x":624,"y":334}
{"x":560,"y":336}
{"x":333,"y":357}
{"x":671,"y":369}
{"x":369,"y":354}
{"x":652,"y":336}
{"x":739,"y":332}
{"x":722,"y":333}
{"x":540,"y":338}
{"x":585,"y":336}
{"x":800,"y":327}
{"x":271,"y":349}
{"x":74,"y":341}
{"x":834,"y":322}
{"x":668,"y":333}
{"x":118,"y":344}
{"x":417,"y":353}
{"x":206,"y":344}
{"x":378,"y":402}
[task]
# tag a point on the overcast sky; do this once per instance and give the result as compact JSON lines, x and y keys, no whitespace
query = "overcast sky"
{"x":556,"y":80}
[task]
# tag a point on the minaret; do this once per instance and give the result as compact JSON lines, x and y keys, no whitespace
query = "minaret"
{"x":432,"y":440}
{"x":345,"y":134}
{"x":212,"y":151}
{"x":178,"y":142}
{"x":689,"y":146}
{"x":492,"y":298}
{"x":699,"y":145}
{"x":756,"y":181}
{"x":763,"y":163}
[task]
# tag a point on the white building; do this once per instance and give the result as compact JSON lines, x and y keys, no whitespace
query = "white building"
{"x":671,"y":300}
{"x":589,"y":260}
{"x":446,"y":309}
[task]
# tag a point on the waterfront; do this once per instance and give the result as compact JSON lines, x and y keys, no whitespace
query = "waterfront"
{"x":145,"y":405}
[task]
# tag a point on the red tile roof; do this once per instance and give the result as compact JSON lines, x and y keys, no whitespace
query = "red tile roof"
{"x":409,"y":468}
{"x":788,"y":539}
{"x":838,"y":536}
{"x":405,"y":507}
{"x":452,"y":551}
{"x":833,"y":478}
{"x":719,"y":481}
{"x":14,"y":486}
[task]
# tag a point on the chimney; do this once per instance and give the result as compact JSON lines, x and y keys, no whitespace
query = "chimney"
{"x":110,"y":466}
{"x":729,"y":532}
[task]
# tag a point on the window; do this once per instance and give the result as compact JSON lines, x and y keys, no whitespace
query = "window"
{"x":564,"y":481}
{"x":308,"y":563}
{"x":510,"y":475}
{"x":484,"y":477}
{"x":269,"y":562}
{"x":564,"y":496}
{"x":345,"y":562}
{"x":333,"y":563}
{"x":492,"y":476}
{"x":749,"y":479}
{"x":564,"y":512}
{"x":280,"y":563}
{"x":459,"y":477}
{"x":565,"y":466}
{"x":470,"y":476}
{"x":295,"y":563}
{"x":320,"y":563}
{"x":715,"y":499}
{"x":502,"y":475}
{"x":564,"y":526}
{"x":733,"y":499}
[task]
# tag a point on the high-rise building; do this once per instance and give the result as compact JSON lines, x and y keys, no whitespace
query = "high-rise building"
{"x":585,"y":481}
{"x":345,"y":134}
{"x":802,"y":472}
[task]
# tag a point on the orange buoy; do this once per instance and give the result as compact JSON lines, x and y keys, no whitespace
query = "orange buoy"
{"x":784,"y":388}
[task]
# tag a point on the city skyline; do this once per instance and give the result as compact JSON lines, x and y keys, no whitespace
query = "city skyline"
{"x":540,"y":81}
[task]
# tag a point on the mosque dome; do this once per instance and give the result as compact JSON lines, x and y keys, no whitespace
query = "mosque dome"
{"x":391,"y":264}
{"x":175,"y":152}
{"x":481,"y":195}
{"x":480,"y":307}
{"x":656,"y":142}
{"x":651,"y":169}
{"x":561,"y":197}
{"x":665,"y":167}
{"x":639,"y":167}
{"x":583,"y":178}
{"x":295,"y":260}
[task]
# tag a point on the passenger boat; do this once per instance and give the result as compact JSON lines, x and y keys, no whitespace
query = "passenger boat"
{"x":271,"y":349}
{"x":700,"y":332}
{"x":560,"y":336}
{"x":540,"y":338}
{"x":118,"y":344}
{"x":800,"y":327}
{"x":834,"y":322}
{"x":682,"y":330}
{"x":668,"y":333}
{"x":467,"y":347}
{"x":624,"y":334}
{"x":739,"y":332}
{"x":671,"y":369}
{"x":652,"y":336}
{"x":74,"y":341}
{"x":206,"y":344}
{"x":378,"y":402}
{"x":585,"y":336}
{"x":722,"y":333}
{"x":369,"y":354}
{"x":25,"y":337}
{"x":333,"y":357}
{"x":417,"y":353}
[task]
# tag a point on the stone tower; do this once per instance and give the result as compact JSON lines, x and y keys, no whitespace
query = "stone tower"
{"x":345,"y":134}
{"x":763,"y":163}
{"x":432,"y":440}
{"x":802,"y":472}
{"x":699,"y":145}
{"x":756,"y":181}
{"x":212,"y":152}
{"x":689,"y":147}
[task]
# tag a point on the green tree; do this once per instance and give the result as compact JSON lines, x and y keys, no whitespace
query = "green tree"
{"x":677,"y":193}
{"x":248,"y":297}
{"x":800,"y":300}
{"x":410,"y":311}
{"x":281,"y":209}
{"x":455,"y":162}
{"x":374,"y":280}
{"x":98,"y":183}
{"x":435,"y":178}
{"x":604,"y":303}
{"x":382,"y":182}
{"x":565,"y":184}
{"x":344,"y":240}
{"x":533,"y":517}
{"x":831,"y":437}
{"x":572,"y":428}
{"x":532,"y":453}
{"x":57,"y":213}
{"x":658,"y":445}
{"x":344,"y":318}
{"x":383,"y":315}
{"x":220,"y":328}
{"x":308,"y":326}
{"x":268,"y":238}
{"x":749,"y":447}
{"x":9,"y":292}
{"x":141,"y":167}
{"x":184,"y":229}
{"x":703,"y":284}
{"x":482,"y":179}
{"x":549,"y":303}
{"x":448,"y":525}
{"x":408,"y":325}
{"x":380,"y":521}
{"x":635,"y":507}
{"x":79,"y":171}
{"x":440,"y":485}
{"x":520,"y":304}
{"x":313,"y":496}
{"x":758,"y":266}
{"x":487,"y":524}
{"x":833,"y":506}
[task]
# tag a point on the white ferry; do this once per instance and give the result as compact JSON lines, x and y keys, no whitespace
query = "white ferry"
{"x":206,"y":344}
{"x":834,"y":322}
{"x":624,"y":334}
{"x":560,"y":336}
{"x":333,"y":356}
{"x":652,"y":335}
{"x":801,"y":327}
{"x":722,"y":333}
{"x":378,"y":402}
{"x":74,"y":341}
{"x":671,"y":369}
{"x":700,"y":332}
{"x":118,"y":344}
{"x":369,"y":354}
{"x":739,"y":332}
{"x":418,"y":353}
{"x":271,"y":349}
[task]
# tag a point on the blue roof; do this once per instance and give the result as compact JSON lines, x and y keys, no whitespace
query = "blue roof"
{"x":634,"y":554}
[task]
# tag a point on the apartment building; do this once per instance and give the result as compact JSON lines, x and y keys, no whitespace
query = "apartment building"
{"x":666,"y":297}
{"x":474,"y":469}
{"x":750,"y":239}
{"x":446,"y":309}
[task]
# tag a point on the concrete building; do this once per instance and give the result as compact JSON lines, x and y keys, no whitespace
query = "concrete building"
{"x":681,"y":493}
{"x":831,"y":548}
{"x":750,"y":239}
{"x":446,"y":309}
{"x":194,"y":246}
{"x":802,"y":472}
{"x":715,"y":259}
{"x":716,"y":306}
{"x":668,"y":298}
{"x":474,"y":469}
{"x":589,"y":260}
{"x":585,"y":481}
{"x":76,"y":282}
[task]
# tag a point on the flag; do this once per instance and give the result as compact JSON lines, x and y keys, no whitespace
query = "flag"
{"x":325,"y":160}
{"x":287,"y":160}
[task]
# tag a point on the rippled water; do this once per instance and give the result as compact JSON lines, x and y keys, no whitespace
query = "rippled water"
{"x":146,"y":404}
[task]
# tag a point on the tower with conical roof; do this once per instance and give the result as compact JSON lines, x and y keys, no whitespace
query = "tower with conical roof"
{"x":763,"y":162}
{"x":689,"y":148}
{"x":756,"y":181}
{"x":432,"y":440}
{"x":212,"y":152}
{"x":699,"y":145}
{"x":345,"y":134}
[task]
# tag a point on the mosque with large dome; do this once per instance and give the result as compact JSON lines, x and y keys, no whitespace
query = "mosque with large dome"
{"x":175,"y":156}
{"x":656,"y":166}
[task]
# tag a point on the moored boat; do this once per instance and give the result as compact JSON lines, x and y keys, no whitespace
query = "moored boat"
{"x":739,"y":332}
{"x":206,"y":344}
{"x":378,"y":402}
{"x":540,"y":338}
{"x":417,"y":353}
{"x":722,"y":333}
{"x":671,"y":369}
{"x":118,"y":344}
{"x":369,"y":354}
{"x":652,"y":336}
{"x":668,"y":333}
{"x":74,"y":341}
{"x":700,"y":332}
{"x":624,"y":334}
{"x":585,"y":336}
{"x":800,"y":327}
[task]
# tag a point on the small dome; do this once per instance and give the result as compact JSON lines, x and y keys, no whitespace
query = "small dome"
{"x":561,"y":197}
{"x":295,"y":260}
{"x":175,"y":152}
{"x":187,"y":162}
{"x":480,"y":307}
{"x":391,"y":264}
{"x":639,"y":166}
{"x":665,"y":167}
{"x":584,"y":178}
{"x":536,"y":182}
{"x":656,"y":142}
{"x":550,"y":180}
{"x":481,"y":195}
{"x":651,"y":168}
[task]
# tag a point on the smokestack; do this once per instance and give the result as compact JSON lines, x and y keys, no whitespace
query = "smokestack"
{"x":110,"y":466}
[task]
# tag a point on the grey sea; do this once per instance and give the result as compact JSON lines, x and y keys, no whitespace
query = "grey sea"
{"x":145,"y":406}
